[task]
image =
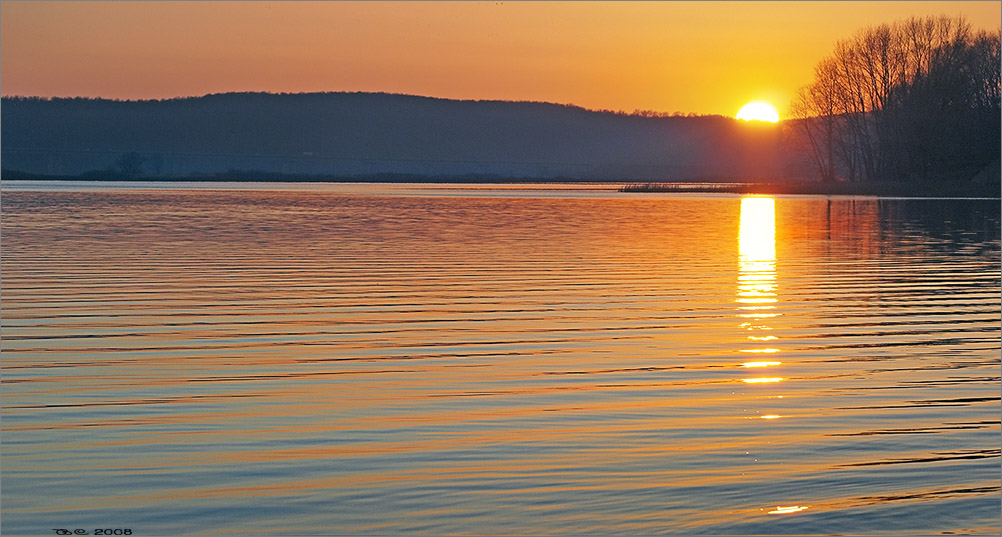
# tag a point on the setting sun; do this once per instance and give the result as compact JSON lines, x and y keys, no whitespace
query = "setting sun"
{"x":758,"y":111}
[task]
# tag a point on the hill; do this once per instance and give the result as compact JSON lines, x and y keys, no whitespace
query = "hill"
{"x":355,"y":134}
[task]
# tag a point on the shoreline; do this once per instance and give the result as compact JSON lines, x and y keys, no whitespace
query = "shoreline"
{"x":965,"y":189}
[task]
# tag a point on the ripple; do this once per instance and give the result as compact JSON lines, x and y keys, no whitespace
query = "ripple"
{"x":341,"y":358}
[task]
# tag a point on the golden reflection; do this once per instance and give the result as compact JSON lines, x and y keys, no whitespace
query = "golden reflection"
{"x":762,"y":380}
{"x":757,"y":255}
{"x":757,"y":271}
{"x":787,"y":510}
{"x":758,"y":234}
{"x":760,"y":364}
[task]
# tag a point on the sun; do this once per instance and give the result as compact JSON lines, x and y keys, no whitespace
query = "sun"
{"x":758,"y":111}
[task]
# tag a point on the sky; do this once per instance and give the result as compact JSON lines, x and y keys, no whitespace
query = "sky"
{"x":687,"y":57}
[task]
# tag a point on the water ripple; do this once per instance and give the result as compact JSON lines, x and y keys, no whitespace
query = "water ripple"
{"x":342,"y":359}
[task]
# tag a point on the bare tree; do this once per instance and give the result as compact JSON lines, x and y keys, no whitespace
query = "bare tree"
{"x":904,"y":100}
{"x":817,"y":110}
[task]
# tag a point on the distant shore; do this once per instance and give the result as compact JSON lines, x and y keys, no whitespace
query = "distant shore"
{"x":952,"y":189}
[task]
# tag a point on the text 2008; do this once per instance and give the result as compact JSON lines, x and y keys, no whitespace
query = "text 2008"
{"x":99,"y":531}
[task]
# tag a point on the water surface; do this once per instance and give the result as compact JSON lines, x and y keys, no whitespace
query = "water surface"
{"x":456,"y":360}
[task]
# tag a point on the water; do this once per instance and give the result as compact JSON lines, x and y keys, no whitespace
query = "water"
{"x":457,"y":360}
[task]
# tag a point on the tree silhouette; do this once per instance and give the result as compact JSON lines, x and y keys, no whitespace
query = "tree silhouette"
{"x":912,"y":100}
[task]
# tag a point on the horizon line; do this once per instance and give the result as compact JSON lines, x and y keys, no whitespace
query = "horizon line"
{"x":636,"y":112}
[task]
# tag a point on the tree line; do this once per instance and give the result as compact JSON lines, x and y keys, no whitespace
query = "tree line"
{"x":914,"y":100}
{"x":644,"y":113}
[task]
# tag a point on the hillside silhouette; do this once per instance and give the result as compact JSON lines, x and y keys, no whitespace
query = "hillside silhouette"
{"x":365,"y":134}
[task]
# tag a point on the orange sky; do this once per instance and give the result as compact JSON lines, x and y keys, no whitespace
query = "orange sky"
{"x":698,"y":57}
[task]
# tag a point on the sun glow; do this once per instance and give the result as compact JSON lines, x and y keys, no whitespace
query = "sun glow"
{"x":758,"y":111}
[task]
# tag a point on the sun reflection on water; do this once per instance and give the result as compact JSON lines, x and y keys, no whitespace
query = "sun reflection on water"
{"x":763,"y":380}
{"x":760,"y":364}
{"x":757,"y":288}
{"x":757,"y":295}
{"x":787,"y":510}
{"x":757,"y":256}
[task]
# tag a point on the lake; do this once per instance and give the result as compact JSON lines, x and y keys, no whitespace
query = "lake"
{"x":333,"y":359}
